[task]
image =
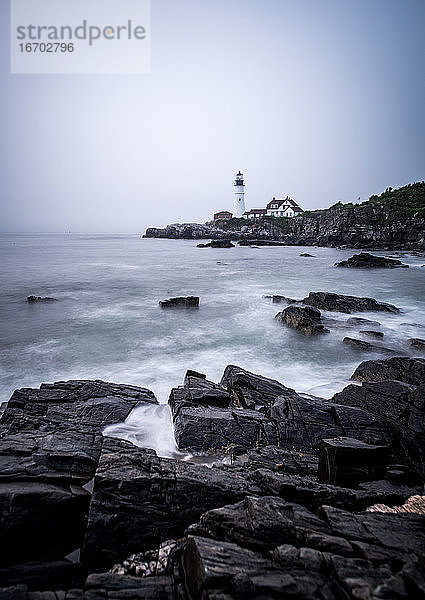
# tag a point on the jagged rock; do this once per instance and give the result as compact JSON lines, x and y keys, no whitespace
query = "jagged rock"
{"x":50,"y":443}
{"x":346,"y":461}
{"x":417,"y":343}
{"x":191,"y":373}
{"x":346,"y":304}
{"x":302,"y":318}
{"x":307,"y":255}
{"x":408,"y":370}
{"x":109,"y":585}
{"x":249,"y":390}
{"x":364,"y":260}
{"x":400,"y":404}
{"x":140,"y":500}
{"x":372,"y":333}
{"x":217,"y":244}
{"x":32,"y":299}
{"x":366,"y":346}
{"x":181,"y":301}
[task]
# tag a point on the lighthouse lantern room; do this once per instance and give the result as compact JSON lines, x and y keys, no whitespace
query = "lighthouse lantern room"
{"x":239,"y":203}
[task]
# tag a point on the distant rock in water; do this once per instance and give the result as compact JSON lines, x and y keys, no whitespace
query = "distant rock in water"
{"x":364,"y":260}
{"x":362,"y":321}
{"x":372,"y":333}
{"x":302,"y":318}
{"x":32,"y":299}
{"x":346,"y":304}
{"x":307,"y":255}
{"x":417,"y":343}
{"x":217,"y":244}
{"x":261,"y":243}
{"x":366,"y":346}
{"x":180,"y":301}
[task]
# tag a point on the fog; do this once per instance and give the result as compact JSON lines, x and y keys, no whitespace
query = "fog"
{"x":321,"y":100}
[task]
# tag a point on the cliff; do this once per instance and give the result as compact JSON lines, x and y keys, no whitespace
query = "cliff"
{"x":395,"y":219}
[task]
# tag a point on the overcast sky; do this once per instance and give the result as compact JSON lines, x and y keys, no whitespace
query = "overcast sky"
{"x":319,"y":99}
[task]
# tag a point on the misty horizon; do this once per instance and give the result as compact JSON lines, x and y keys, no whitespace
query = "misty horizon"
{"x":322,"y":102}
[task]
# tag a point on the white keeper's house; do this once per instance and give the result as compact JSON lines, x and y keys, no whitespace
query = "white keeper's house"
{"x":278,"y":207}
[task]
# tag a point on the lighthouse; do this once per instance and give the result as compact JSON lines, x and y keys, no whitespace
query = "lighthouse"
{"x":239,"y":204}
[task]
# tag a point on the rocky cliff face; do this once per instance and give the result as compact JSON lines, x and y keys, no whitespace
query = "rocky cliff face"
{"x":395,"y":219}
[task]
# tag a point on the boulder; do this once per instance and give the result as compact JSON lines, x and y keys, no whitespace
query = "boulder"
{"x":180,"y":302}
{"x":346,"y":461}
{"x":305,"y":319}
{"x":276,"y":299}
{"x":364,"y":260}
{"x":367,"y":346}
{"x":401,"y":368}
{"x":346,"y":304}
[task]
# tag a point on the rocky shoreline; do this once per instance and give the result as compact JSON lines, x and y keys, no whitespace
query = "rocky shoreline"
{"x":298,"y":505}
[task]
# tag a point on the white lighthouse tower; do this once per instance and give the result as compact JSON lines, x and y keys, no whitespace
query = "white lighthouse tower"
{"x":239,"y":204}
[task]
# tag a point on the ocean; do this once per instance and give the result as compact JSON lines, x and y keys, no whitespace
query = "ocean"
{"x":107,"y":323}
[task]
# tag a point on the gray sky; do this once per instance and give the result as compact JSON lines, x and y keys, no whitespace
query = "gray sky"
{"x":319,"y":99}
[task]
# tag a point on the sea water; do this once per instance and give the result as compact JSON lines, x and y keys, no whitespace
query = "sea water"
{"x":107,"y":323}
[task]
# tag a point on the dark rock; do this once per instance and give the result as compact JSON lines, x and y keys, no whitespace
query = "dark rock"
{"x":364,"y":260}
{"x":58,"y":574}
{"x":346,"y":304}
{"x":362,"y":321}
{"x":372,"y":333}
{"x":191,"y":373}
{"x":307,"y":255}
{"x":345,"y":461}
{"x":140,"y":500}
{"x":50,"y":443}
{"x":399,"y":404}
{"x":181,"y":301}
{"x":217,"y":244}
{"x":32,"y":299}
{"x":417,"y":343}
{"x":367,"y":347}
{"x":302,"y":318}
{"x":130,"y":588}
{"x":409,"y":370}
{"x":249,"y":390}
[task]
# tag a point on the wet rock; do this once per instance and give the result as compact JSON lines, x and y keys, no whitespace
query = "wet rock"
{"x":50,"y":443}
{"x":346,"y":304}
{"x":345,"y":461}
{"x":265,"y":242}
{"x":408,"y":370}
{"x":372,"y":333}
{"x":366,"y":346}
{"x":302,"y":318}
{"x":32,"y":299}
{"x":191,"y":373}
{"x":249,"y":390}
{"x":307,"y":255}
{"x":109,"y":585}
{"x":364,"y":260}
{"x":180,"y":302}
{"x":417,"y":343}
{"x":399,"y":404}
{"x":217,"y":244}
{"x":140,"y":500}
